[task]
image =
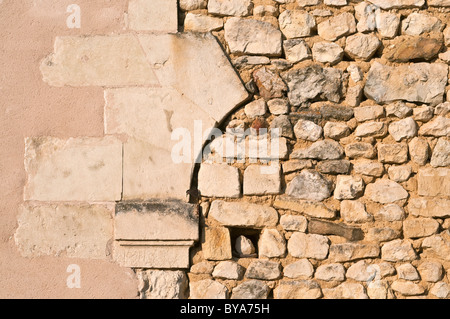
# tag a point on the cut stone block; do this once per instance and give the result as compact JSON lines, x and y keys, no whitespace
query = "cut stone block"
{"x":314,"y":246}
{"x":298,"y":289}
{"x":219,"y":180}
{"x":239,"y":8}
{"x":429,"y":207}
{"x":313,"y":209}
{"x":261,"y":180}
{"x":217,"y":244}
{"x":156,"y":220}
{"x":353,"y":251}
{"x":154,"y":15}
{"x":434,"y":182}
{"x":76,"y":231}
{"x":163,"y":284}
{"x":208,"y":289}
{"x":77,"y":169}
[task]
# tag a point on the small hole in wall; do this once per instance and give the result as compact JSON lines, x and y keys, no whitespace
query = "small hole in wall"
{"x":250,"y":234}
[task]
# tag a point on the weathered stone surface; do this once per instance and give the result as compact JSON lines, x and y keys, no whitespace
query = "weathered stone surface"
{"x":307,"y":130}
{"x":321,"y":227}
{"x":296,"y":165}
{"x":77,"y":231}
{"x":431,"y":271}
{"x":419,"y":150}
{"x":314,"y":82}
{"x":407,"y":272}
{"x":208,"y":289}
{"x":418,"y":23}
{"x":398,"y":250}
{"x":264,"y":270}
{"x":390,"y":212}
{"x":244,"y":246}
{"x":203,"y":267}
{"x":260,"y":181}
{"x":255,"y":109}
{"x":390,"y":4}
{"x":163,"y":284}
{"x":353,"y":211}
{"x":362,"y":271}
{"x":302,"y":3}
{"x":433,"y":182}
{"x":321,"y":150}
{"x":158,"y":15}
{"x":355,"y":72}
{"x":294,"y":223}
{"x":438,"y":127}
{"x":367,"y":113}
{"x":346,"y":291}
{"x":298,"y":289}
{"x":369,"y":168}
{"x":378,"y":289}
{"x":228,"y":270}
{"x":296,"y":50}
{"x":336,"y":27}
{"x":241,"y":214}
{"x":278,"y":106}
{"x":365,"y":13}
{"x":441,"y":290}
{"x":156,"y":220}
{"x":353,"y":251}
{"x":309,"y":185}
{"x":442,"y":109}
{"x":439,"y":245}
{"x":299,"y":269}
{"x":348,"y":187}
{"x":230,"y":7}
{"x":360,"y":149}
{"x":429,"y":207}
{"x":354,"y":95}
{"x":385,"y":191}
{"x":393,"y":153}
{"x":361,"y":46}
{"x":387,"y":24}
{"x":381,"y":234}
{"x":269,"y":83}
{"x":403,"y":129}
{"x":407,"y":288}
{"x":314,"y":246}
{"x":217,"y":244}
{"x":271,"y":244}
{"x":259,"y":37}
{"x":313,"y":209}
{"x":399,"y":109}
{"x":407,"y":48}
{"x":337,"y":3}
{"x":327,"y":52}
{"x":424,"y":83}
{"x":438,"y":3}
{"x":202,"y":23}
{"x":423,"y":114}
{"x":284,"y":125}
{"x":420,"y":227}
{"x":336,"y":130}
{"x":400,"y":173}
{"x":336,"y":112}
{"x":189,"y":5}
{"x":208,"y":176}
{"x":296,"y":24}
{"x":330,"y":272}
{"x":375,"y":129}
{"x":441,"y":154}
{"x":334,"y":167}
{"x":251,"y":289}
{"x":77,"y":169}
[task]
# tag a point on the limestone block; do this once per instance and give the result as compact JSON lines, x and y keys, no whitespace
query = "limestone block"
{"x":217,"y":244}
{"x":398,"y":250}
{"x":336,"y":27}
{"x":439,"y":245}
{"x":219,"y":180}
{"x":433,"y":182}
{"x":407,"y":288}
{"x":264,"y":270}
{"x":208,"y":289}
{"x":73,"y":230}
{"x":228,"y":270}
{"x":299,"y":269}
{"x":271,"y":244}
{"x":314,"y":246}
{"x":385,"y":191}
{"x":420,"y":227}
{"x":330,"y":272}
{"x":393,"y":153}
{"x":313,"y":209}
{"x":390,"y":4}
{"x":418,"y":23}
{"x":321,"y":227}
{"x":77,"y":169}
{"x":353,"y":251}
{"x":294,"y":223}
{"x":163,"y":284}
{"x":230,"y":7}
{"x":156,"y":220}
{"x":298,"y":289}
{"x":251,"y":289}
{"x":262,"y":180}
{"x":429,"y":207}
{"x":296,"y":24}
{"x":346,"y":290}
{"x":154,"y":15}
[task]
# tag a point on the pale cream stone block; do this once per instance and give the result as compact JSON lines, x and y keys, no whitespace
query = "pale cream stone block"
{"x":153,"y":15}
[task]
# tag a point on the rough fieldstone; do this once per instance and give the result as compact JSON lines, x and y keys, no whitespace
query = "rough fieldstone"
{"x":353,"y":251}
{"x":360,"y":149}
{"x":244,"y":246}
{"x":321,"y":150}
{"x":346,"y":291}
{"x":314,"y":246}
{"x":330,"y":272}
{"x":391,"y":4}
{"x":355,"y":72}
{"x":294,"y":223}
{"x":77,"y":169}
{"x":390,"y":212}
{"x":230,"y":7}
{"x":385,"y":191}
{"x":202,"y":23}
{"x":278,"y":106}
{"x":429,"y":207}
{"x":439,"y":244}
{"x":438,"y":3}
{"x":353,"y":211}
{"x":354,"y":95}
{"x":420,"y":227}
{"x":400,"y":173}
{"x":393,"y":153}
{"x":164,"y":284}
{"x":251,"y":289}
{"x":228,"y":270}
{"x":308,"y":130}
{"x":314,"y":82}
{"x":399,"y":109}
{"x":260,"y":181}
{"x":419,"y":150}
{"x":299,"y":269}
{"x":271,"y":244}
{"x":362,"y":46}
{"x":336,"y":112}
{"x":208,"y":176}
{"x":388,"y":24}
{"x":296,"y":24}
{"x":362,"y":271}
{"x":259,"y":37}
{"x":208,"y":289}
{"x":441,"y":290}
{"x":242,"y":214}
{"x":334,"y":167}
{"x":189,"y":5}
{"x":203,"y":267}
{"x":336,"y":130}
{"x":348,"y":187}
{"x":269,"y":83}
{"x":302,"y":3}
{"x":381,"y":234}
{"x":217,"y":244}
{"x":264,"y":270}
{"x":378,"y":289}
{"x":309,"y":185}
{"x":337,"y":3}
{"x":368,"y":168}
{"x":77,"y":231}
{"x":398,"y":250}
{"x":424,"y":82}
{"x":403,"y":129}
{"x":313,"y":209}
{"x":375,"y":129}
{"x":365,"y":13}
{"x":255,"y":108}
{"x":296,"y":165}
{"x":283,"y":123}
{"x":336,"y":27}
{"x":433,"y":181}
{"x":367,"y":113}
{"x":296,"y":50}
{"x":321,"y":227}
{"x":407,"y":48}
{"x":441,"y":154}
{"x":327,"y":52}
{"x":431,"y":271}
{"x":438,"y":127}
{"x":407,"y":288}
{"x":417,"y":23}
{"x":407,"y":272}
{"x":298,"y":289}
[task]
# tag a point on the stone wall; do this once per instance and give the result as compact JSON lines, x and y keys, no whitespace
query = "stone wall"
{"x":352,"y":200}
